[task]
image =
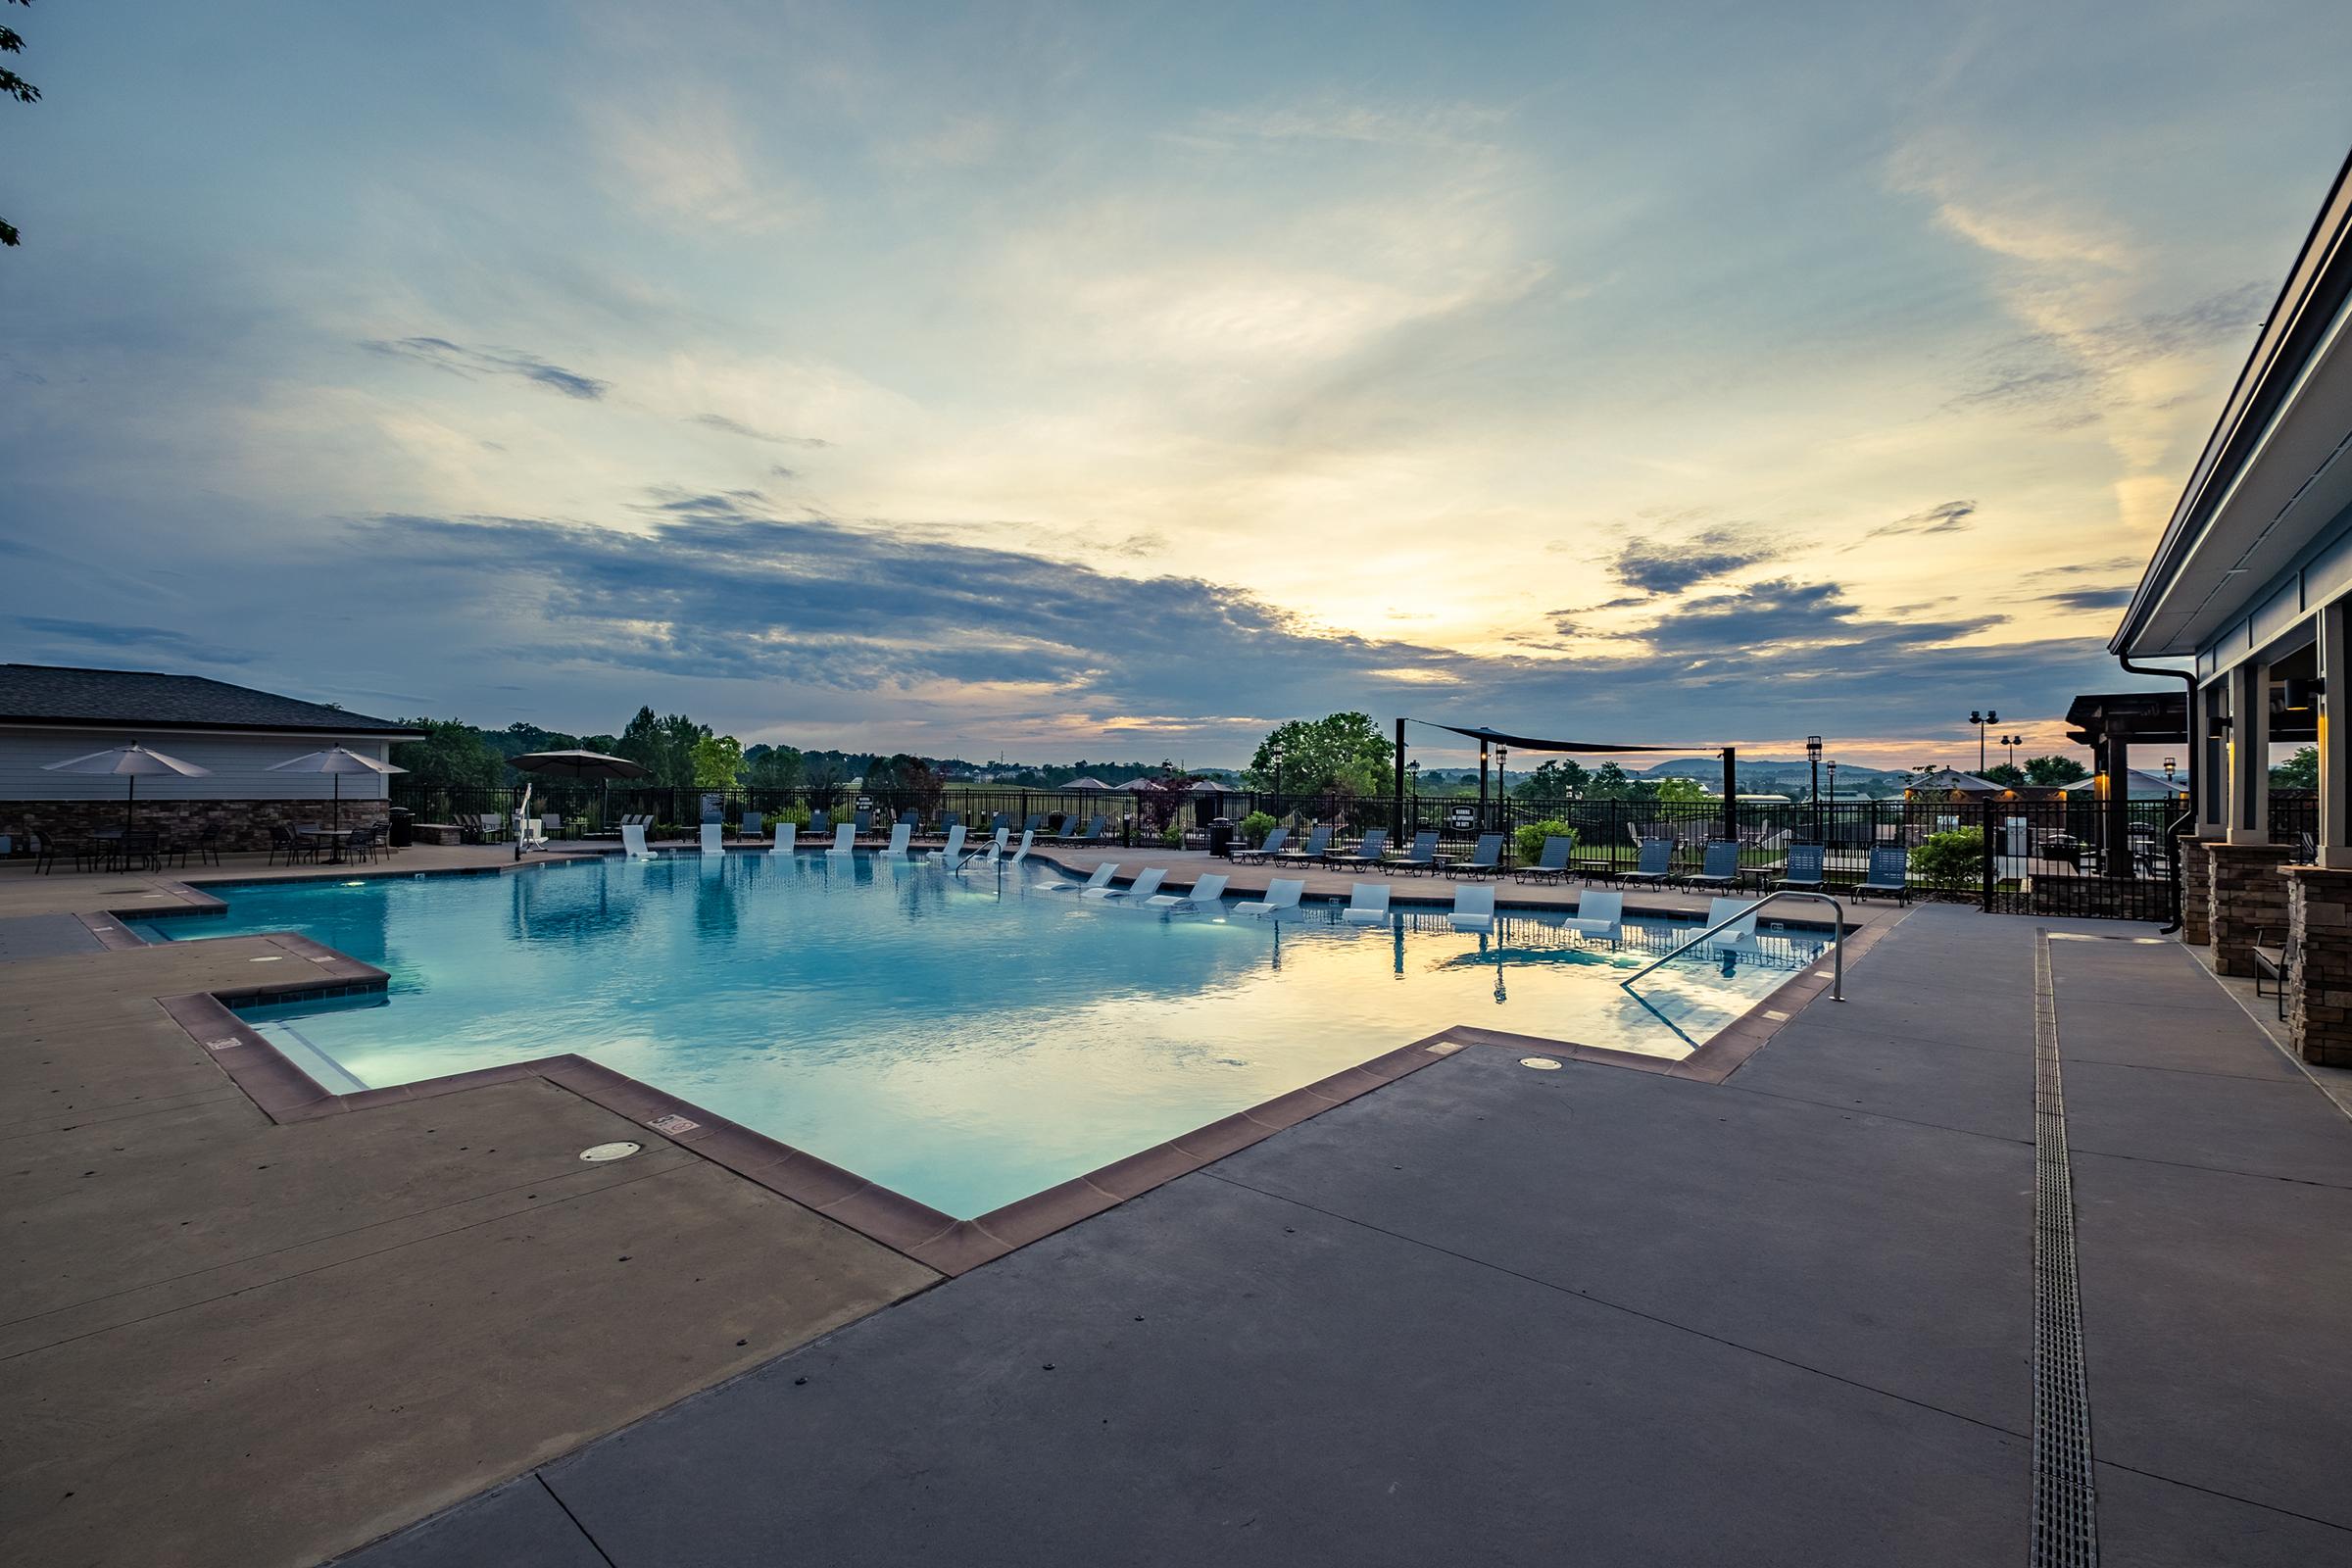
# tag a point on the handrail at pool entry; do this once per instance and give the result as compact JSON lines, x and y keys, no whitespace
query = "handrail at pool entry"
{"x":1836,"y":938}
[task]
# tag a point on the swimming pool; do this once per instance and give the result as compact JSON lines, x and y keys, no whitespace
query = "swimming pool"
{"x":966,"y":1039}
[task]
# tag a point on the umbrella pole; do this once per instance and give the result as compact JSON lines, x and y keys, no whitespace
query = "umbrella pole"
{"x":130,"y":802}
{"x":338,"y":778}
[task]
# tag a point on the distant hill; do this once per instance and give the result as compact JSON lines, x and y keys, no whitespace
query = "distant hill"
{"x":1774,"y":775}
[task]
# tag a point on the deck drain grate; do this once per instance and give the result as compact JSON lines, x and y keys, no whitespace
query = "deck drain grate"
{"x":2066,"y":1532}
{"x":597,"y":1154}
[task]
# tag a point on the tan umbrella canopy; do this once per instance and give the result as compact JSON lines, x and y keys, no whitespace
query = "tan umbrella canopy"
{"x":129,"y":761}
{"x":337,"y":760}
{"x":1085,"y":784}
{"x":579,"y":766}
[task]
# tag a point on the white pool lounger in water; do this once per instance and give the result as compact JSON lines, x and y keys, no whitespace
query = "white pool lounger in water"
{"x":1202,"y":898}
{"x":1142,"y":889}
{"x":899,"y":837}
{"x":632,"y":841}
{"x":953,"y":852}
{"x":788,"y":838}
{"x":845,"y":839}
{"x":1741,"y":932}
{"x":1597,"y":914}
{"x":714,"y":838}
{"x":1094,"y":884}
{"x":1367,"y":905}
{"x":1473,"y":908}
{"x":1281,"y":894}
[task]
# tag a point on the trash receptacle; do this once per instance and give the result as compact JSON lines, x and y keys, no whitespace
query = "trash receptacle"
{"x":1220,"y":836}
{"x":404,"y":822}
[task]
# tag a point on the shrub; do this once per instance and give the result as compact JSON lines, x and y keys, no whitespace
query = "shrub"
{"x":1949,"y":862}
{"x":1529,"y":839}
{"x":1254,"y":828}
{"x":1172,"y":836}
{"x":797,"y":816}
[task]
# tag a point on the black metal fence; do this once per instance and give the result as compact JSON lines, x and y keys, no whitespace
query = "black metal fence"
{"x":2042,"y":857}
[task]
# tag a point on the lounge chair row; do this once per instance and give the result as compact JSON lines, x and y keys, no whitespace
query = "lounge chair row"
{"x":1888,"y":874}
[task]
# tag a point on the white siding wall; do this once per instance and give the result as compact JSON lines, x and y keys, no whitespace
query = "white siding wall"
{"x":239,"y":767}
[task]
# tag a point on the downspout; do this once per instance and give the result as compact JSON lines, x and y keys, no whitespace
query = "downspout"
{"x":2188,"y":750}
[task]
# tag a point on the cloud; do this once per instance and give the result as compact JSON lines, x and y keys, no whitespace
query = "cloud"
{"x":2090,"y":599}
{"x":113,"y":639}
{"x":682,"y":154}
{"x":1657,"y":568}
{"x":2082,"y":366}
{"x":458,"y":360}
{"x":1950,"y":516}
{"x":719,"y":422}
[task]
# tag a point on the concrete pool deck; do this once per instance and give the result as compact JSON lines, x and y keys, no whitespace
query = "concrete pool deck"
{"x":1501,"y":1315}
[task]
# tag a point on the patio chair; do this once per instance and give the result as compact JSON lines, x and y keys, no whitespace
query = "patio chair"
{"x":1599,"y":913}
{"x":1282,"y":894}
{"x":754,"y":825}
{"x":818,"y":823}
{"x":632,"y":841}
{"x":1804,"y":871}
{"x":494,"y":827}
{"x":1473,"y":908}
{"x":1021,"y":850}
{"x":1201,"y":896}
{"x":952,"y":854}
{"x":284,"y":842}
{"x":1274,"y":838}
{"x":788,"y":838}
{"x":550,"y":826}
{"x":1422,"y":857}
{"x":1101,"y":879}
{"x":1140,"y":890}
{"x":1486,"y":859}
{"x":1035,"y":821}
{"x":1889,"y":875}
{"x":1654,"y":865}
{"x":1369,"y":851}
{"x":139,"y":851}
{"x":1318,"y":840}
{"x":1091,"y":833}
{"x":865,"y":822}
{"x":366,"y":842}
{"x":714,"y":838}
{"x":1367,"y":905}
{"x":2275,"y":962}
{"x":845,"y":839}
{"x":950,"y":822}
{"x":1554,"y":867}
{"x":1721,"y":867}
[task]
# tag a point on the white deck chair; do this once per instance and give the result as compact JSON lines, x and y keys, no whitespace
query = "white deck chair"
{"x":953,"y":852}
{"x":845,"y":838}
{"x":1367,"y":905}
{"x":632,"y":841}
{"x":1473,"y":908}
{"x":1597,"y":914}
{"x":1281,"y":894}
{"x":1741,"y":932}
{"x":1028,"y":837}
{"x":1142,"y":890}
{"x":899,"y":835}
{"x":996,"y":844}
{"x":1202,"y":897}
{"x":788,"y":838}
{"x":1099,"y":880}
{"x":714,"y":838}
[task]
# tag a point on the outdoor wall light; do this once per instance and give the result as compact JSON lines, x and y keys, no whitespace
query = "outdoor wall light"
{"x":2299,"y":695}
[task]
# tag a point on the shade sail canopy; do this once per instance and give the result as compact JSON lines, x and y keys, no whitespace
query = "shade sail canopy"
{"x":134,"y":760}
{"x":1530,"y":743}
{"x":334,"y":760}
{"x":1085,"y":784}
{"x":577,"y":764}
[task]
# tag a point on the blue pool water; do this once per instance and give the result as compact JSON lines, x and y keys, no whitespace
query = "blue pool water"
{"x":965,"y":1038}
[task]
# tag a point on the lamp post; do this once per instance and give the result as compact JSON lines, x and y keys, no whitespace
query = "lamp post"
{"x":1502,"y":787}
{"x":1989,"y":717}
{"x":2012,"y":743}
{"x":1277,"y":780}
{"x":1813,"y":757}
{"x":1832,"y":787}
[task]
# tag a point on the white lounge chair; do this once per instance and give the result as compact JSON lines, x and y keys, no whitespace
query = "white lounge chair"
{"x":1598,"y":915}
{"x":1281,"y":894}
{"x":996,"y":844}
{"x":1367,"y":905}
{"x":1141,"y":891}
{"x":788,"y":838}
{"x":1099,"y":880}
{"x":1742,"y":933}
{"x":1028,"y":837}
{"x":1202,"y":897}
{"x":632,"y":841}
{"x":1473,"y":908}
{"x":714,"y":838}
{"x":953,"y":852}
{"x":845,"y":839}
{"x":899,"y":835}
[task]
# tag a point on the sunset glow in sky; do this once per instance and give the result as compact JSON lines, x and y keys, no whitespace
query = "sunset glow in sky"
{"x":1118,"y":380}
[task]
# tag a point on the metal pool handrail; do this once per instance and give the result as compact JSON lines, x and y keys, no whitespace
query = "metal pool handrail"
{"x":1836,"y":939}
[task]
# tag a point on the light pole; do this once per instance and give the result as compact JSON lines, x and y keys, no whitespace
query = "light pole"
{"x":2012,"y":743}
{"x":1832,"y":786}
{"x":1813,"y":757}
{"x":1989,"y":717}
{"x":1277,"y":780}
{"x":1502,"y":786}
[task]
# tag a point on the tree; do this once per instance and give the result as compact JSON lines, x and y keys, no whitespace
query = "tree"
{"x":1555,"y":781}
{"x":717,"y":759}
{"x":2003,"y":773}
{"x":2055,"y":771}
{"x":1685,"y":790}
{"x":452,"y":754}
{"x":822,"y":774}
{"x":771,"y":767}
{"x":14,"y":86}
{"x":1343,"y":753}
{"x":2300,"y":771}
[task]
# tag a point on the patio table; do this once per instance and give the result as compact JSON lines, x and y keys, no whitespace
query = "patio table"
{"x":337,"y":837}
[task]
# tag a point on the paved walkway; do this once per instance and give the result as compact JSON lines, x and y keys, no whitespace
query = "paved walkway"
{"x":1502,"y":1315}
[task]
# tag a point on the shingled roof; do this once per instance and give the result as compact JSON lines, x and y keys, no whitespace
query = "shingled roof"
{"x":56,"y":694}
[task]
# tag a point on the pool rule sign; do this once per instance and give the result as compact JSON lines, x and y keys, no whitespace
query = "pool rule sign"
{"x":1461,"y":818}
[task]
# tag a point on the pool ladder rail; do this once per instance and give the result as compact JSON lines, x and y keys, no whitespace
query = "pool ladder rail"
{"x":1836,"y":939}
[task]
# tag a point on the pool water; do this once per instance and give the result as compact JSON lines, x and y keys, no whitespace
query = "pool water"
{"x":967,"y":1039}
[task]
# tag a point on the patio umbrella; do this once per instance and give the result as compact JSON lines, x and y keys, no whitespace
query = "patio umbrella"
{"x":337,"y":760}
{"x":129,"y":761}
{"x":581,"y":766}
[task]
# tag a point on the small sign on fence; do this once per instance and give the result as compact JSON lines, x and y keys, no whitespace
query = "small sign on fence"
{"x":1461,"y":818}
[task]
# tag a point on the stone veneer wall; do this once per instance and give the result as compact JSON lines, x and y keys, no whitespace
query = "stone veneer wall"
{"x":2196,"y":892}
{"x":2246,"y":894}
{"x":2319,"y":992}
{"x":243,"y":824}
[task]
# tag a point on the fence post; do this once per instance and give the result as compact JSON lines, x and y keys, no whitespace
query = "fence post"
{"x":1990,"y":868}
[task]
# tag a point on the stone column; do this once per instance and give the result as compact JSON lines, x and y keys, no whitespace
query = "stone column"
{"x":2246,"y":899}
{"x":2319,"y":988}
{"x":2196,"y":885}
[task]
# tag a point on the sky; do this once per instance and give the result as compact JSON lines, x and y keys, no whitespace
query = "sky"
{"x":1120,"y":380}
